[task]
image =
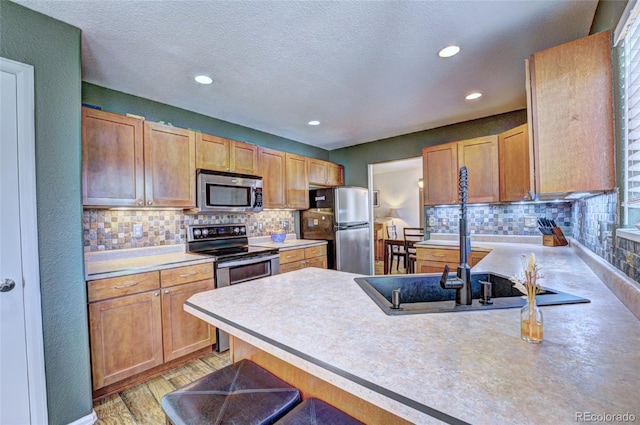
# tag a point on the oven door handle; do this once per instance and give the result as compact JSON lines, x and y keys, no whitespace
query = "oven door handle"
{"x":244,"y":262}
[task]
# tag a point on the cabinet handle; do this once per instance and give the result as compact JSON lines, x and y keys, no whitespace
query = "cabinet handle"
{"x":126,"y":285}
{"x":166,"y":291}
{"x":140,"y":203}
{"x":149,"y":203}
{"x":189,"y":274}
{"x":438,"y":255}
{"x":156,"y":294}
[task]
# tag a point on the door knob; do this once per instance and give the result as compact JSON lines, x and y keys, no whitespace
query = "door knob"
{"x":6,"y":285}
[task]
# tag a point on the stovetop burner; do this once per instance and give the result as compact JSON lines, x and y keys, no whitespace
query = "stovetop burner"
{"x":223,"y":241}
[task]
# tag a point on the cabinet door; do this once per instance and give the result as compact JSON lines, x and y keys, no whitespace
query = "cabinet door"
{"x":516,"y":178}
{"x":319,"y":262}
{"x":317,"y":172}
{"x":272,"y":169}
{"x":112,"y":159}
{"x":480,"y":155}
{"x":212,"y":152}
{"x":440,"y":171}
{"x":297,"y":186}
{"x":170,"y":174}
{"x":183,"y":333}
{"x":572,"y":112}
{"x":126,"y":337}
{"x":243,"y":158}
{"x":335,"y":174}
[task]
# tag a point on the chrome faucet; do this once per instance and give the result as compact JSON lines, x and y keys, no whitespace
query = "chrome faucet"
{"x":462,"y":282}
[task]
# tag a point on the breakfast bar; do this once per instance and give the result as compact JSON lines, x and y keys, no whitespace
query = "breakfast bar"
{"x":460,"y":367}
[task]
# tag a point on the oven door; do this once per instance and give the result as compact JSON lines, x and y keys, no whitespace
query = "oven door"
{"x":231,"y":272}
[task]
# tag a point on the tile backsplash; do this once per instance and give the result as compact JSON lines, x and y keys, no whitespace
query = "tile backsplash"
{"x":501,"y":219}
{"x":594,"y":222}
{"x":111,"y":229}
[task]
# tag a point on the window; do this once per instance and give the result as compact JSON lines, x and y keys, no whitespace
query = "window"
{"x":628,"y":46}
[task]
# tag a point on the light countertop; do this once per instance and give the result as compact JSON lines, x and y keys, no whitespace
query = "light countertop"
{"x":105,"y":264}
{"x":469,"y":366}
{"x":289,"y":243}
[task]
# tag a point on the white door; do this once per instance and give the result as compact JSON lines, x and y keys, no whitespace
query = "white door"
{"x":22,"y":384}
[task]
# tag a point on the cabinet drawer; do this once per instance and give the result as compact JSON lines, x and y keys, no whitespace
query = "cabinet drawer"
{"x":319,"y":262}
{"x":442,"y":255}
{"x":186,"y":274}
{"x":112,"y":287}
{"x":315,"y":251}
{"x":289,"y":267}
{"x":291,"y":256}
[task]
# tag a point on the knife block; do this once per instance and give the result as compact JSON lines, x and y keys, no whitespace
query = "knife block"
{"x":557,"y":239}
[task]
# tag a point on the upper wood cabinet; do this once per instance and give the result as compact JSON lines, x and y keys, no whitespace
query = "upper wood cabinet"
{"x":572,"y":116}
{"x":285,"y":179}
{"x":516,"y":176}
{"x":325,"y":173}
{"x":128,"y":162}
{"x":112,"y":159}
{"x":480,"y":156}
{"x":220,"y":154}
{"x":441,"y":164}
{"x":169,"y":166}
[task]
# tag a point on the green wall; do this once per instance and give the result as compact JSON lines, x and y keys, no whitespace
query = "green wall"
{"x":356,"y":158}
{"x":53,"y":48}
{"x":121,"y":103}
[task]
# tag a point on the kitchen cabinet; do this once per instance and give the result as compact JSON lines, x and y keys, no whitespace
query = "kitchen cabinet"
{"x":433,"y":260}
{"x":296,"y":259}
{"x":137,"y":322}
{"x":285,"y":179}
{"x":440,"y":174}
{"x":128,"y":162}
{"x":325,"y":173}
{"x":112,"y":159}
{"x":516,"y":176}
{"x":570,"y":93}
{"x":169,"y":166}
{"x":220,"y":154}
{"x":125,"y":327}
{"x":183,"y":333}
{"x":441,"y":164}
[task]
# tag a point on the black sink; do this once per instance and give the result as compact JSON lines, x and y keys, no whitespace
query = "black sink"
{"x":423,"y":294}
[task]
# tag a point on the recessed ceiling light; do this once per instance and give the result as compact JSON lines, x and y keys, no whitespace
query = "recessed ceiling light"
{"x":448,"y":51}
{"x":203,"y":79}
{"x":473,"y":96}
{"x":314,"y":122}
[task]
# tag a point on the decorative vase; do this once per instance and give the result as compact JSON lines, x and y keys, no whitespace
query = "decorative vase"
{"x":531,"y":324}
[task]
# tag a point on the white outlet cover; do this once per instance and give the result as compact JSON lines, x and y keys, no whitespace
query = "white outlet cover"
{"x":432,"y":221}
{"x":137,"y":230}
{"x":530,"y":221}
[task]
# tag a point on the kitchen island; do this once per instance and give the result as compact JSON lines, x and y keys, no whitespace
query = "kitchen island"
{"x":453,"y":367}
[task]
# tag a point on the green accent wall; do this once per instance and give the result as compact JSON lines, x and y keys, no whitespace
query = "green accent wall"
{"x":53,"y":48}
{"x":122,"y":103}
{"x":356,"y":158}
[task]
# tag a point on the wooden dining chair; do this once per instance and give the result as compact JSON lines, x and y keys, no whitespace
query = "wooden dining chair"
{"x":411,"y":236}
{"x":397,"y":251}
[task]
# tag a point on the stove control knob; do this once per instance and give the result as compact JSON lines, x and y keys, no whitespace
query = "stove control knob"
{"x":236,"y":230}
{"x":196,"y":232}
{"x":205,"y":232}
{"x":243,"y":230}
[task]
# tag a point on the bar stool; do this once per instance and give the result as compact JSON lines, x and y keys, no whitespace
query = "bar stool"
{"x":241,"y":393}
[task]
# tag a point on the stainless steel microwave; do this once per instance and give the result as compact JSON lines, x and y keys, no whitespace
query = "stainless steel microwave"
{"x":224,"y":192}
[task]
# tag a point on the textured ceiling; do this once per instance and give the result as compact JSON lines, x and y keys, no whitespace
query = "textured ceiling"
{"x":366,"y":69}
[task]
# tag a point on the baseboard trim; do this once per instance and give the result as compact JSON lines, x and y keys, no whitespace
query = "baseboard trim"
{"x":90,"y":419}
{"x":626,"y":289}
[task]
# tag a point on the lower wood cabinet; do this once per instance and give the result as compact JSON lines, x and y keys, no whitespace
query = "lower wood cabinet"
{"x":433,"y":260}
{"x":137,"y":322}
{"x":296,"y":259}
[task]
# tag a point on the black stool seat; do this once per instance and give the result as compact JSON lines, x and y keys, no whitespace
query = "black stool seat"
{"x":316,"y":412}
{"x":241,"y":393}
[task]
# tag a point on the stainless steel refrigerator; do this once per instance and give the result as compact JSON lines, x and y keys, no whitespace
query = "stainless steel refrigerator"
{"x":341,"y":217}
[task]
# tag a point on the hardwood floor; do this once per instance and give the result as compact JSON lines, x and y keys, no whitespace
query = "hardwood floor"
{"x":379,"y":268}
{"x":140,"y":404}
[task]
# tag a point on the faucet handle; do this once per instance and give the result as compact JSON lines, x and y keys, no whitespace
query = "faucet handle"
{"x":445,"y":276}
